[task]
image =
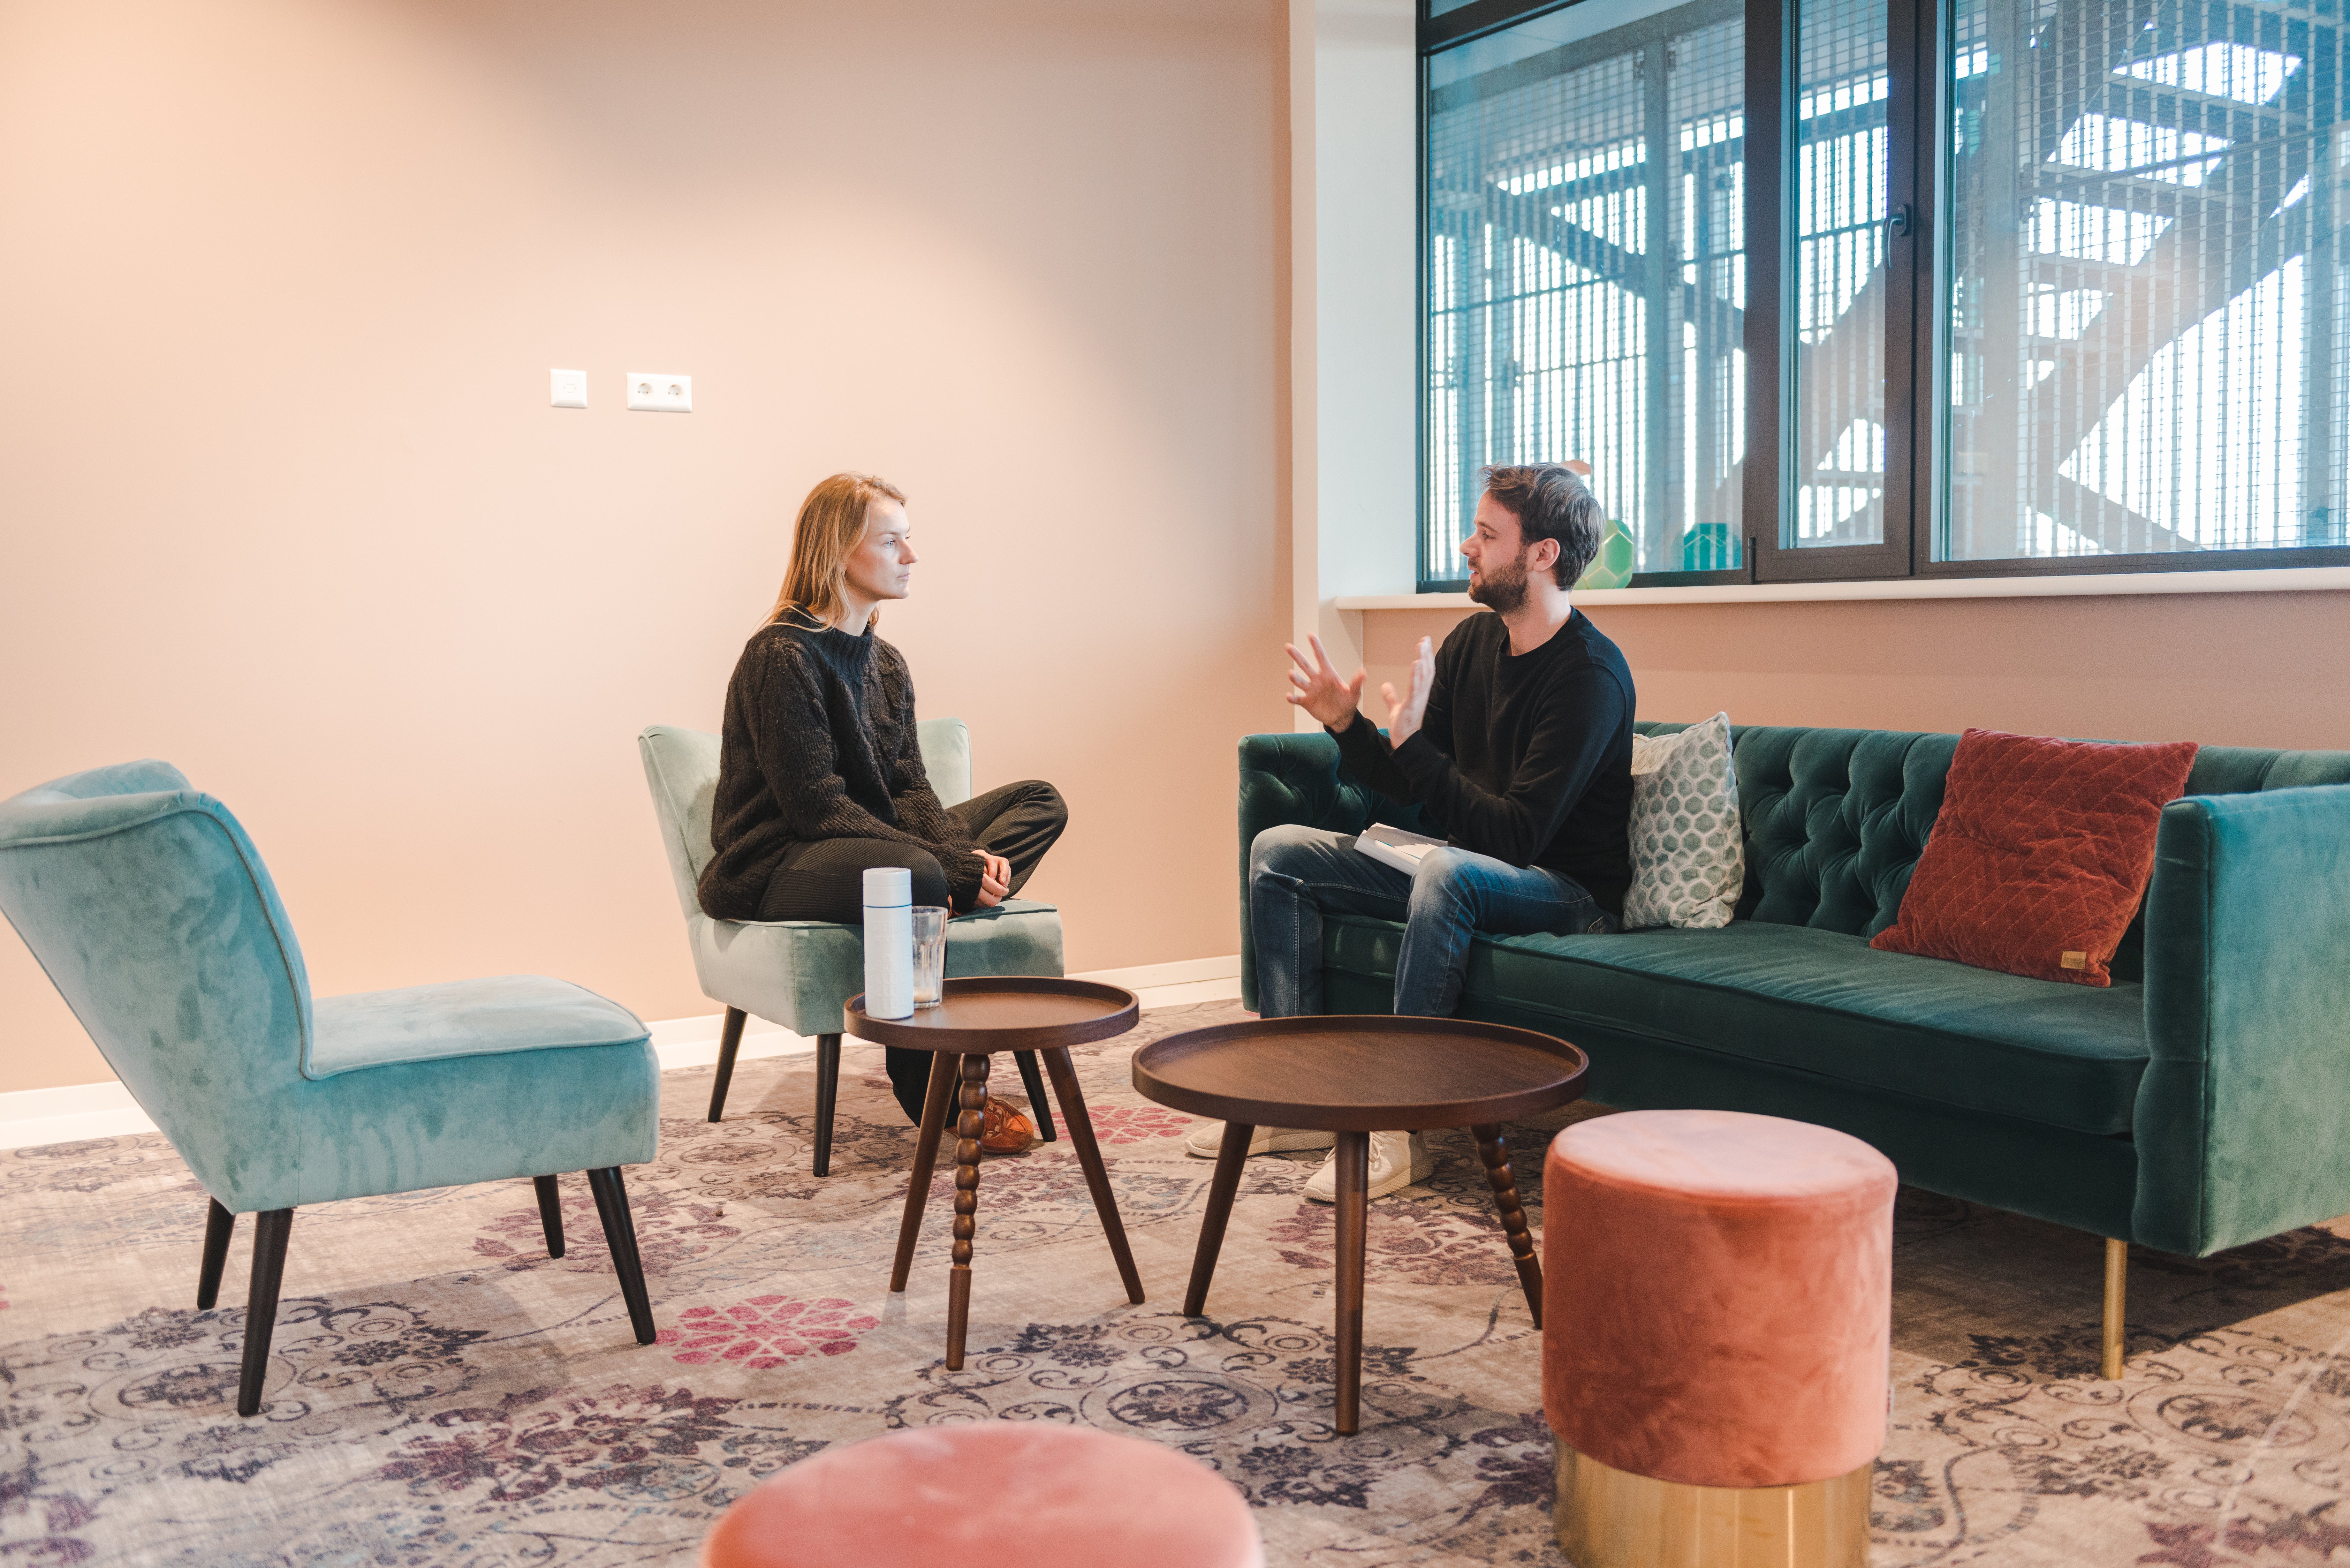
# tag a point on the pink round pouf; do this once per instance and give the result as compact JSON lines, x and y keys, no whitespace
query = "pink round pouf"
{"x":1718,"y":1296}
{"x":997,"y":1494}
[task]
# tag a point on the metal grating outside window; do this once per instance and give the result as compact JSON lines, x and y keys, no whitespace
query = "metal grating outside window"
{"x":1587,"y":286}
{"x":1839,"y":139}
{"x":2146,"y":310}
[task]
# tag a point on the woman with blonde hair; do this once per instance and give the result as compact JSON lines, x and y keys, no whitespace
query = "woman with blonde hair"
{"x":820,"y":775}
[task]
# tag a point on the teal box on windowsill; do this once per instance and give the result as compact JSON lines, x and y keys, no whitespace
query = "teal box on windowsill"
{"x":1709,"y":547}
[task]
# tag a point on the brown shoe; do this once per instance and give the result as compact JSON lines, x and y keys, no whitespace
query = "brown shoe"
{"x":1007,"y":1130}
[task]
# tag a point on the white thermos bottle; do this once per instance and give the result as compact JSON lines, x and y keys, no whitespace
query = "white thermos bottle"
{"x":889,"y":942}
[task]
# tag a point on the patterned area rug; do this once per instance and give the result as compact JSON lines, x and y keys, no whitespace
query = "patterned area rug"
{"x":442,"y":1392}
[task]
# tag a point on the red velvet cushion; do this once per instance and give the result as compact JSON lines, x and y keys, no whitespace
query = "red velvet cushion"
{"x":2040,"y":855}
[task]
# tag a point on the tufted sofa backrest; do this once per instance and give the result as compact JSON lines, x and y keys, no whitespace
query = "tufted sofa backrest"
{"x":1835,"y":819}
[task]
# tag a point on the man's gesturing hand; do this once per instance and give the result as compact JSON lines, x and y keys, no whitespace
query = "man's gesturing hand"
{"x":1405,"y":712}
{"x":1316,"y":688}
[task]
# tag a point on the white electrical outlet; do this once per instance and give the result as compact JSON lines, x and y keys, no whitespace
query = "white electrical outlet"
{"x":568,"y":388}
{"x":661,"y":394}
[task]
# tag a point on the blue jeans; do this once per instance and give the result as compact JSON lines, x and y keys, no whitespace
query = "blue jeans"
{"x":1297,"y":875}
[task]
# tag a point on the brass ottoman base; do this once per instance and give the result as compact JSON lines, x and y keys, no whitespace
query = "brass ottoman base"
{"x":1608,"y":1517}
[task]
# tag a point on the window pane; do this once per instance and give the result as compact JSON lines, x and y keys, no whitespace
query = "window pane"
{"x":2144,"y":300}
{"x":1586,"y":285}
{"x":1838,"y":428}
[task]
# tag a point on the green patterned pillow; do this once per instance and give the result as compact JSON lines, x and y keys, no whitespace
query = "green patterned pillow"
{"x":1687,"y":865}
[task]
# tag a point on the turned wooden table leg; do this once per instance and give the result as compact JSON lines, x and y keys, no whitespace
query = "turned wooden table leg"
{"x":966,"y":1202}
{"x":1231,"y":1154}
{"x":1081,"y":1133}
{"x":1354,"y":1156}
{"x":926,"y":1157}
{"x":1494,"y":1150}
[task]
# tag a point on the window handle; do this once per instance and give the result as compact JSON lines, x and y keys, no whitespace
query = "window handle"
{"x":1900,"y":221}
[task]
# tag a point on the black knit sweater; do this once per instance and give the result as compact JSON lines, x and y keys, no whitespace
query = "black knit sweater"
{"x":1525,"y":757}
{"x":818,"y":743}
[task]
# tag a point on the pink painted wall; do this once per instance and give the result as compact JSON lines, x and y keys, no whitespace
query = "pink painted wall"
{"x":2250,"y":670}
{"x":284,"y":503}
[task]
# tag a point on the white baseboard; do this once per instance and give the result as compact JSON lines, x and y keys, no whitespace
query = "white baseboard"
{"x":76,"y":1111}
{"x":65,"y":1114}
{"x":1182,"y":971}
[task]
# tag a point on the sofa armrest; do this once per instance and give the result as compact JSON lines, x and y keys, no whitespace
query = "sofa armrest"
{"x":2243,"y":1121}
{"x":1294,"y":779}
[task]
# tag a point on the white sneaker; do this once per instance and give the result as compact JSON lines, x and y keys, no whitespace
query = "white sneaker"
{"x":1208,"y":1138}
{"x":1397,"y":1160}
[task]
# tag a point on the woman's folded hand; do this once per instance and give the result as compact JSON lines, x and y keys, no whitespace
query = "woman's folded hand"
{"x":994,"y":880}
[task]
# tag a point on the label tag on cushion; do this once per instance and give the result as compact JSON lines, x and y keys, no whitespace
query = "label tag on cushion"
{"x":2074,"y":960}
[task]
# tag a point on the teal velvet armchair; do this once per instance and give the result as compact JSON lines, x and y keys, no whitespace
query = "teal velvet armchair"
{"x":797,"y":973}
{"x":151,"y":911}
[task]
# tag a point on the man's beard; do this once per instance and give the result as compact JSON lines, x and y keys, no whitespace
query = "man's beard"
{"x":1502,"y":591}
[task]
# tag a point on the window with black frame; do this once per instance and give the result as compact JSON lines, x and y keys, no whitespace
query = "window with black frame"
{"x":2037,"y":285}
{"x":1587,"y":285}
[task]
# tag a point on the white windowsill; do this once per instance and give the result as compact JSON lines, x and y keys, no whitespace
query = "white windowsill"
{"x":2259,"y":580}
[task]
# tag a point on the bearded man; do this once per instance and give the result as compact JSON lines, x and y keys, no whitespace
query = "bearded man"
{"x":1514,"y":740}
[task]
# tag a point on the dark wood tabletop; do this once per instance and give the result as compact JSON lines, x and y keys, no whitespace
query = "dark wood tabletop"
{"x":1003,"y":1013}
{"x":1360,"y":1074}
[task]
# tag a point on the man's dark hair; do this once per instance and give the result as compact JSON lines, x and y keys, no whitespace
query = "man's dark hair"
{"x":1551,"y":502}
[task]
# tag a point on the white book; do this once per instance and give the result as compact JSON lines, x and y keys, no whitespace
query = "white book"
{"x":1394,"y":846}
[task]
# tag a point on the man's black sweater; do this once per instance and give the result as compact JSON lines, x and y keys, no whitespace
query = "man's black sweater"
{"x":818,"y":743}
{"x":1525,"y":757}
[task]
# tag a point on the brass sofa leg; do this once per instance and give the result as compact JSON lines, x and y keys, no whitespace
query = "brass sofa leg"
{"x":2117,"y":1289}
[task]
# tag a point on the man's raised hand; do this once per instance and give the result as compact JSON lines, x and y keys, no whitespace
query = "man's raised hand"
{"x":1405,"y":712}
{"x":1317,"y":688}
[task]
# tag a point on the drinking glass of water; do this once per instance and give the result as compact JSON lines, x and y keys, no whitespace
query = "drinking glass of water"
{"x":930,"y":954}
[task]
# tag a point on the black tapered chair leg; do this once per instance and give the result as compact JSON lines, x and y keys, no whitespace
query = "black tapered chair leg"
{"x":1033,"y":1081}
{"x":219,"y":1225}
{"x":730,"y":1040}
{"x":270,"y":1230}
{"x":550,"y":1213}
{"x":827,"y":1094}
{"x":620,"y":1237}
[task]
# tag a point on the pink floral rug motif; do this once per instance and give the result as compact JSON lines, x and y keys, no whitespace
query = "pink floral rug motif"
{"x":765,"y":1331}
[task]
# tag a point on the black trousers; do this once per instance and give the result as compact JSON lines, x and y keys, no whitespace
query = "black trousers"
{"x":826,"y":882}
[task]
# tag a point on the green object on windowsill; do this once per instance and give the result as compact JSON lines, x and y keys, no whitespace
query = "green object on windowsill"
{"x":1613,"y":566}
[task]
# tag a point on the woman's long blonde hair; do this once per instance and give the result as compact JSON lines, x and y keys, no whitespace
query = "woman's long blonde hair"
{"x":831,"y":525}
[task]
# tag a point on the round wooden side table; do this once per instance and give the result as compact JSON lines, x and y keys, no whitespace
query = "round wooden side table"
{"x":1355,"y":1075}
{"x":977,"y":1017}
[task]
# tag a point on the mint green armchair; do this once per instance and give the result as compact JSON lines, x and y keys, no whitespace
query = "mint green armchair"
{"x":797,"y":973}
{"x":151,"y":911}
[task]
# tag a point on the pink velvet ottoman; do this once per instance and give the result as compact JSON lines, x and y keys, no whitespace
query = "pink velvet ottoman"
{"x":1717,"y":1314}
{"x":995,"y":1494}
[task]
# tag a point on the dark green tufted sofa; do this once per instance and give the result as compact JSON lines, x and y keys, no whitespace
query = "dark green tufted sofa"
{"x":2200,"y":1103}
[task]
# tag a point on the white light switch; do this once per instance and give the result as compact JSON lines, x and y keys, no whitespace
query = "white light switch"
{"x":568,"y":388}
{"x":661,"y":394}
